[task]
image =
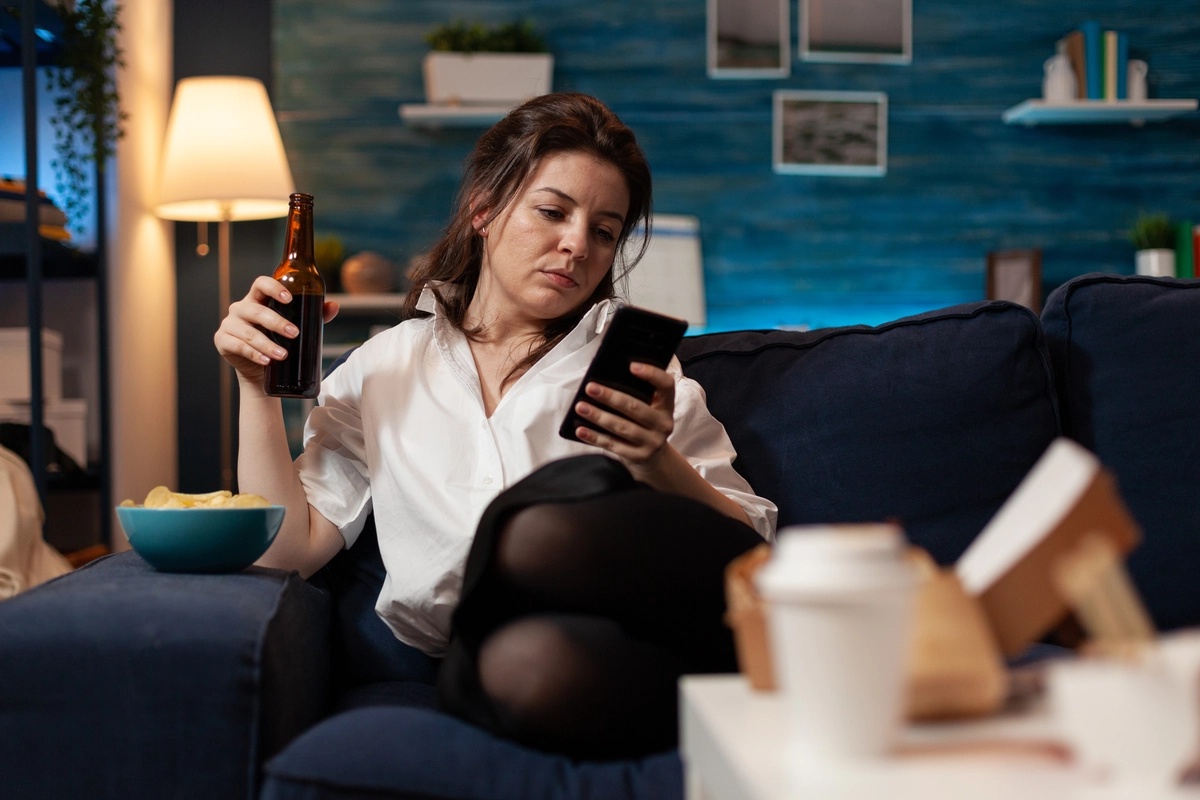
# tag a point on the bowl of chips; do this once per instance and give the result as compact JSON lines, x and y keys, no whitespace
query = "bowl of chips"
{"x":212,"y":532}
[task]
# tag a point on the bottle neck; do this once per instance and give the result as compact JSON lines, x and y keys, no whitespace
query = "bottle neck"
{"x":298,"y":240}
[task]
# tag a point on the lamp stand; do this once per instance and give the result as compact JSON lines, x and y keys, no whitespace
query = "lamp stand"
{"x":226,"y":384}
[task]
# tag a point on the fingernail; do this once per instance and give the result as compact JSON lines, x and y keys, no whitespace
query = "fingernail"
{"x":285,"y":296}
{"x":291,"y":330}
{"x":637,"y":368}
{"x":279,"y":352}
{"x":593,"y":390}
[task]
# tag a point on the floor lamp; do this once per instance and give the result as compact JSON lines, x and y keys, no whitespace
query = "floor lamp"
{"x":223,"y":161}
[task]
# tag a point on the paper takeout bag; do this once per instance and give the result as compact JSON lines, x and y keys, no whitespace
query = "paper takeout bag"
{"x":955,"y":667}
{"x":746,"y":614}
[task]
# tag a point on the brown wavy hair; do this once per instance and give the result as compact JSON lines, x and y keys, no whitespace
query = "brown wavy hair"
{"x":503,"y":159}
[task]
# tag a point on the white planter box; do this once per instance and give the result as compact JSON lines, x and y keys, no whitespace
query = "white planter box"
{"x":14,"y":364}
{"x":1159,"y":263}
{"x":486,"y":78}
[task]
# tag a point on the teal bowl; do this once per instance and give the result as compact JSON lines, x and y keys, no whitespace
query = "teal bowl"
{"x":200,"y":539}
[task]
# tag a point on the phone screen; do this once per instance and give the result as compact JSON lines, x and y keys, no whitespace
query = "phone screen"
{"x":634,"y":334}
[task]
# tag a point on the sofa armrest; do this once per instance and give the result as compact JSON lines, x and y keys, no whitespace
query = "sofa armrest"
{"x":121,"y":681}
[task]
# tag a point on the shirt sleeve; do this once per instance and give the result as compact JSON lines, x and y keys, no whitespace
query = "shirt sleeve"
{"x":333,"y":467}
{"x":702,"y":440}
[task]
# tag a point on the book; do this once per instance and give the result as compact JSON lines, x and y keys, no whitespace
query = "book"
{"x":1010,"y":566}
{"x":1122,"y":65}
{"x":1184,"y":255}
{"x":1110,"y":65}
{"x":1093,"y":58}
{"x":1195,"y":247}
{"x":1071,"y":46}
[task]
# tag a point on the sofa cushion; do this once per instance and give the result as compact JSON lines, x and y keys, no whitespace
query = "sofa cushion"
{"x":931,"y":420}
{"x":364,"y":650}
{"x":1126,"y":351}
{"x":120,"y":681}
{"x":387,"y":751}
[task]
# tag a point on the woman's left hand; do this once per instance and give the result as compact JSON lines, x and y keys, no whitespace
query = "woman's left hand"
{"x":638,"y":433}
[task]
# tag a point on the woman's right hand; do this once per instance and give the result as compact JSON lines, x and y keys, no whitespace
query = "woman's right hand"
{"x":242,"y":338}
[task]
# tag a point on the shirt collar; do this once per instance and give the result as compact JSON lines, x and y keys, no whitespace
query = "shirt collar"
{"x":427,"y":302}
{"x":594,"y":321}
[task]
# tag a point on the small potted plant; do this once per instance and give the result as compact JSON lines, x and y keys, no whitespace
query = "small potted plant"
{"x":1153,"y":236}
{"x":471,"y":64}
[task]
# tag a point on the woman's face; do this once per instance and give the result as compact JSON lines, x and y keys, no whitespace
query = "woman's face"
{"x":549,"y":248}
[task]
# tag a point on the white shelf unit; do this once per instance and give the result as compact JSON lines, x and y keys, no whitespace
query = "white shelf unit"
{"x":435,"y":115}
{"x":1096,"y":112}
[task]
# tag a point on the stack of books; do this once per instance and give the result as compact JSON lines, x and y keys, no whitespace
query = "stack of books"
{"x":1100,"y":60}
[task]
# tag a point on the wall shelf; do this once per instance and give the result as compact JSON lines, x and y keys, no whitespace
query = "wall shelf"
{"x":372,"y":303}
{"x":435,"y":115}
{"x":1092,"y":112}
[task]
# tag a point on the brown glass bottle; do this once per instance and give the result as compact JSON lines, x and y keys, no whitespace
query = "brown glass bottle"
{"x":299,"y":375}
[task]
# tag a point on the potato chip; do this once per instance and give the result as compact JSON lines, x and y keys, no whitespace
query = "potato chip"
{"x":162,"y":497}
{"x":157,"y":497}
{"x":247,"y":501}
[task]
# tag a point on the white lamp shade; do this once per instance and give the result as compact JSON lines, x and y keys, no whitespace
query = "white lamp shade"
{"x":223,"y":157}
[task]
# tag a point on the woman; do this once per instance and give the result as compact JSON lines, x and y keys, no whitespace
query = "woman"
{"x":566,"y":606}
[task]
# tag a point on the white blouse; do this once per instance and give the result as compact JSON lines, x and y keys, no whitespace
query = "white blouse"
{"x":400,"y":429}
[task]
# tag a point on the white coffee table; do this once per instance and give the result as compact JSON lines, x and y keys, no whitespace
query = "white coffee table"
{"x":734,"y":747}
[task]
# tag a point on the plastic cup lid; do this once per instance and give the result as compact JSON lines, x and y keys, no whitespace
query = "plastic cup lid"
{"x":837,"y":559}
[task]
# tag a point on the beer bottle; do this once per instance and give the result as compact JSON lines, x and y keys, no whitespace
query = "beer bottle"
{"x":299,"y":374}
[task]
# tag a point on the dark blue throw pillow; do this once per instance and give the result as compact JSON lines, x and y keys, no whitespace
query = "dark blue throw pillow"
{"x":1126,"y":352}
{"x":930,"y":420}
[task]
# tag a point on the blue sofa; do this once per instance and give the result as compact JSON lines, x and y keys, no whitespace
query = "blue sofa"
{"x":118,"y":681}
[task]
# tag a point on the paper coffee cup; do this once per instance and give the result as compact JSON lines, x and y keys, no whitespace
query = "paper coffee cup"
{"x":840,"y":602}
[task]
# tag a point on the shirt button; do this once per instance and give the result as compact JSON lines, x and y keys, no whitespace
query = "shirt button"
{"x":487,"y":481}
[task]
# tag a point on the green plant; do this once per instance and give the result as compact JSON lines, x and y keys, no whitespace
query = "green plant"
{"x":1152,"y":232}
{"x":463,"y":37}
{"x":87,"y":116}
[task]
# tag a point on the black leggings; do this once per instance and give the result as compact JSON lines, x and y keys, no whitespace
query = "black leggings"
{"x":586,"y":596}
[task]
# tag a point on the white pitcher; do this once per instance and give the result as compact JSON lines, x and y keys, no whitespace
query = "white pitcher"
{"x":1058,"y":85}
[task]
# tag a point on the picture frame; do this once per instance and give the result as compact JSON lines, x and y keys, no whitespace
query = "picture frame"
{"x":830,"y":133}
{"x":1015,"y":275}
{"x":868,"y":31}
{"x":749,"y":39}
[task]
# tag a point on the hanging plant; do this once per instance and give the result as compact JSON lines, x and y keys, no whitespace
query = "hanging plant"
{"x":87,"y":117}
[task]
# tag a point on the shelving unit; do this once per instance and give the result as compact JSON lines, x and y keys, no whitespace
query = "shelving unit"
{"x":75,"y":506}
{"x":1096,"y":112}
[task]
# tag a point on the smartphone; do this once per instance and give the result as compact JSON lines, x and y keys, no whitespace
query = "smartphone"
{"x":634,"y":334}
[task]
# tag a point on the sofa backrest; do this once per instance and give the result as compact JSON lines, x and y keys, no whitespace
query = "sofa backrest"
{"x":1126,"y":353}
{"x":931,"y":420}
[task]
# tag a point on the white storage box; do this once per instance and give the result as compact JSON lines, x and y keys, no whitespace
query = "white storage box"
{"x":14,"y":364}
{"x":66,"y":418}
{"x":670,"y":277}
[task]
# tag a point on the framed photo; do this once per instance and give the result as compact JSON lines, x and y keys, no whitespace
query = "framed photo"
{"x":749,"y":39}
{"x":1016,"y":275}
{"x":872,"y":31}
{"x":830,"y":133}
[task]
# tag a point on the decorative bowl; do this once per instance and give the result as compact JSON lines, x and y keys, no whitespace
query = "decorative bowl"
{"x":200,"y":539}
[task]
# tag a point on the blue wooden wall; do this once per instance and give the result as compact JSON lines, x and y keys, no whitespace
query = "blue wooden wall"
{"x":778,"y":250}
